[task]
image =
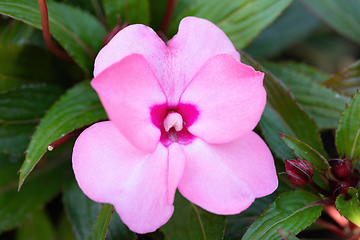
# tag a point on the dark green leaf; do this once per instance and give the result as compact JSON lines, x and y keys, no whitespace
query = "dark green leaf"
{"x":283,"y":114}
{"x":236,"y":224}
{"x":343,"y":16}
{"x":304,"y":151}
{"x":346,"y":82}
{"x":271,"y":124}
{"x":282,"y":34}
{"x":157,"y":11}
{"x":102,"y":222}
{"x":348,"y":206}
{"x":292,"y":211}
{"x":191,"y":222}
{"x":29,"y":64}
{"x":20,"y":111}
{"x":348,"y":131}
{"x":321,"y":103}
{"x":36,"y":227}
{"x":242,"y":21}
{"x":16,"y":32}
{"x":78,"y":32}
{"x":131,"y":11}
{"x":92,"y":6}
{"x":43,"y":185}
{"x":286,"y":235}
{"x":79,"y":107}
{"x":309,"y":71}
{"x":64,"y":229}
{"x":81,"y":210}
{"x":118,"y":230}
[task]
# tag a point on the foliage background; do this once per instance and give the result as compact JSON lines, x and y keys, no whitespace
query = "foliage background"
{"x":308,"y":49}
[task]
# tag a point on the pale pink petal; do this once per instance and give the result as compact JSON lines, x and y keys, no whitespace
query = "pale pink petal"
{"x":128,"y":90}
{"x":226,"y":178}
{"x":196,"y":41}
{"x":110,"y":170}
{"x":176,"y":168}
{"x":229,"y":97}
{"x":134,"y":39}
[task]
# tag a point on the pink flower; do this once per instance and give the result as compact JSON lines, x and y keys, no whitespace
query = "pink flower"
{"x":181,"y":117}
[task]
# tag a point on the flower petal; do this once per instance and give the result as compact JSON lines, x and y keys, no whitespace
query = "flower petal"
{"x":133,"y":39}
{"x":110,"y":170}
{"x":128,"y":90}
{"x":229,"y":97}
{"x":176,"y":168}
{"x":226,"y":178}
{"x":196,"y":42}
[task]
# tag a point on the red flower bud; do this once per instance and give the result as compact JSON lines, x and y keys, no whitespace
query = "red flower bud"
{"x":340,"y":167}
{"x":299,"y":171}
{"x":341,"y":188}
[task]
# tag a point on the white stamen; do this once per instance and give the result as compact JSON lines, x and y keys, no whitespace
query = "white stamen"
{"x":173,"y":119}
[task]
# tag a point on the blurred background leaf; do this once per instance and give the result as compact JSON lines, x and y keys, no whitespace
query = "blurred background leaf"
{"x":78,"y":32}
{"x":346,"y":82}
{"x":321,"y":103}
{"x":282,"y":34}
{"x":241,"y":20}
{"x":130,"y":11}
{"x":191,"y":222}
{"x":343,"y":16}
{"x":19,"y":116}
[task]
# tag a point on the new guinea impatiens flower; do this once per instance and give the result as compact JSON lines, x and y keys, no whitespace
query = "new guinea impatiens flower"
{"x":181,"y":117}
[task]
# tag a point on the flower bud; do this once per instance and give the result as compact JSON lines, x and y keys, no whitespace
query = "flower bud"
{"x":340,"y":167}
{"x":299,"y":171}
{"x":341,"y":188}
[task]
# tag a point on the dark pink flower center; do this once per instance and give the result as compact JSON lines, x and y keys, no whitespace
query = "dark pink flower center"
{"x":173,"y":123}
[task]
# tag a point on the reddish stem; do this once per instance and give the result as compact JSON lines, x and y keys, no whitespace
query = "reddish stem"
{"x":46,"y":32}
{"x":64,"y":138}
{"x":168,"y":12}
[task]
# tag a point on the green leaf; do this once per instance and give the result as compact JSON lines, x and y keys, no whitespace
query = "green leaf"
{"x":321,"y":103}
{"x":348,"y":206}
{"x":236,"y":224}
{"x":286,"y":235}
{"x":131,"y":11}
{"x":348,"y":131}
{"x":241,"y":20}
{"x":157,"y":11}
{"x":304,"y":151}
{"x":191,"y":222}
{"x":41,"y":186}
{"x":346,"y":82}
{"x":26,"y":64}
{"x":80,"y":209}
{"x":16,"y":32}
{"x":343,"y":16}
{"x":102,"y":222}
{"x":78,"y":32}
{"x":282,"y":34}
{"x":64,"y":229}
{"x":36,"y":227}
{"x":292,"y":211}
{"x":302,"y":69}
{"x":118,"y":230}
{"x":19,"y":116}
{"x":283,"y":114}
{"x":79,"y":107}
